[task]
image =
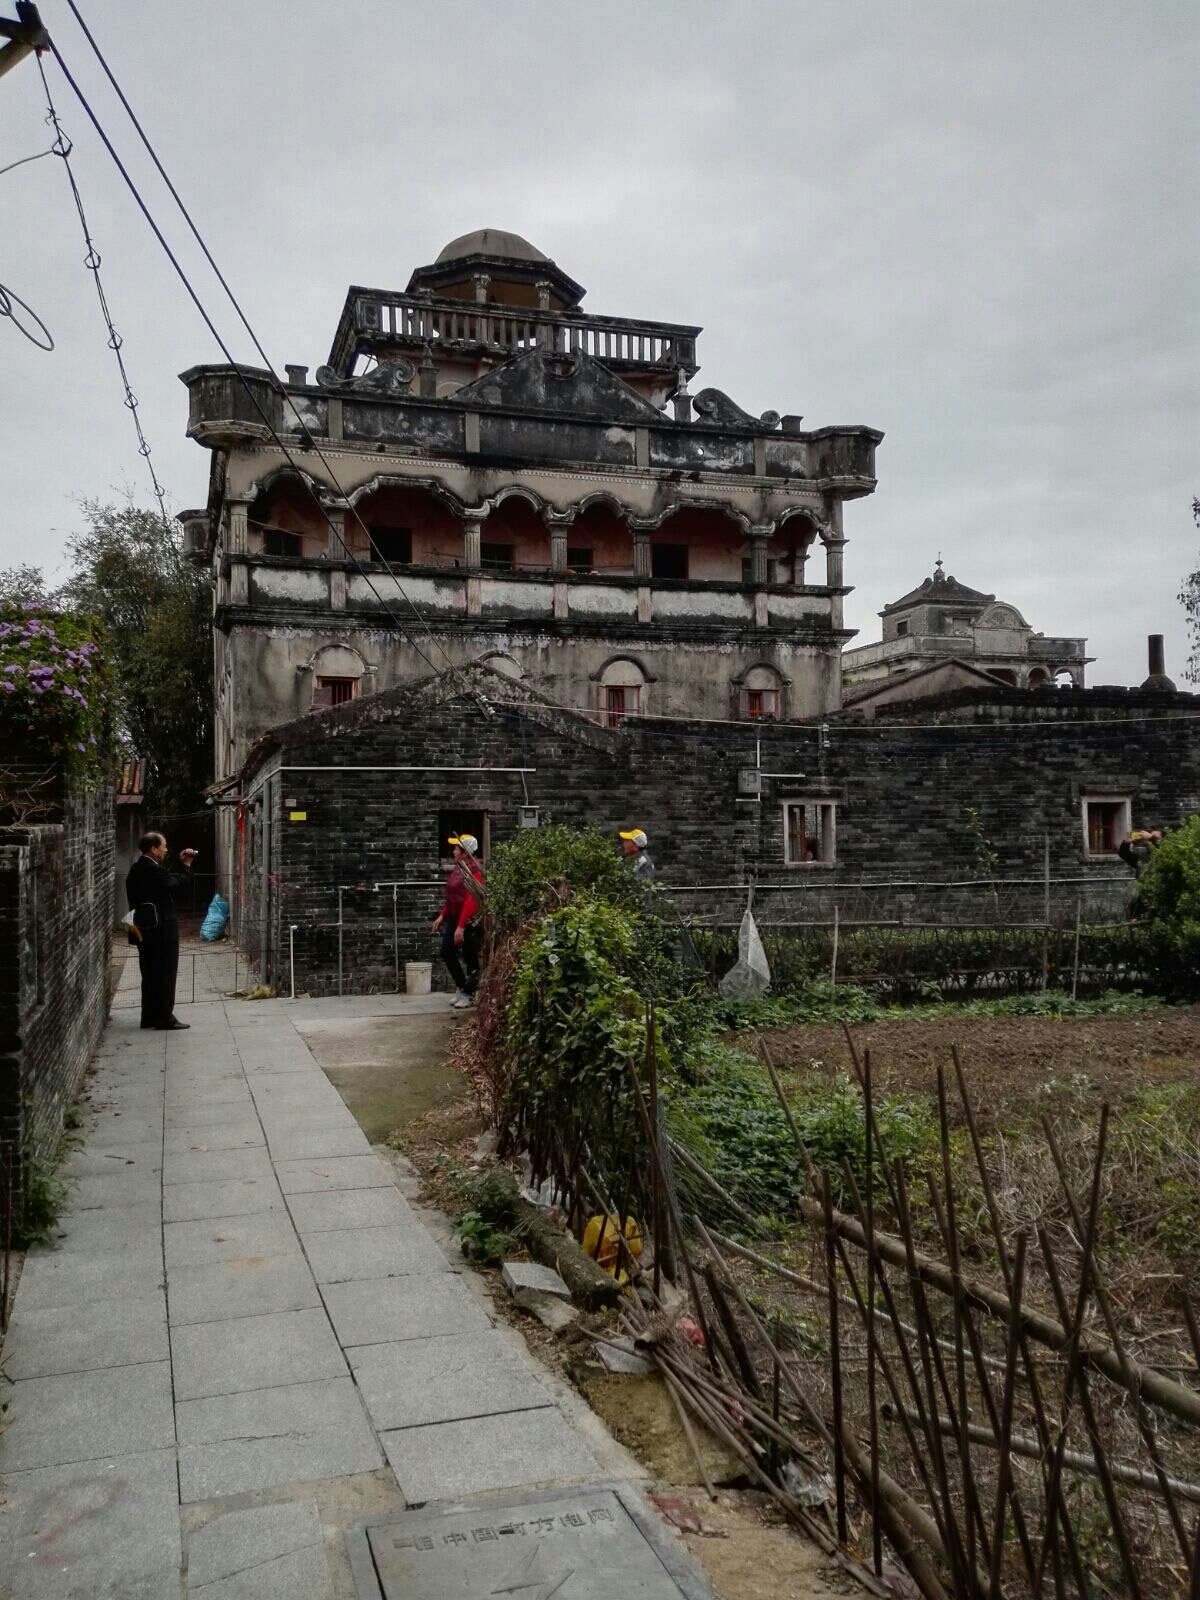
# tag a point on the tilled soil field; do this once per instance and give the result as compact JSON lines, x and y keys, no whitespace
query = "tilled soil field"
{"x":1008,"y":1060}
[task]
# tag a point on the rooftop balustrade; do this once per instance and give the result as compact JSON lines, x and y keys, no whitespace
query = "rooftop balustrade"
{"x":376,"y":318}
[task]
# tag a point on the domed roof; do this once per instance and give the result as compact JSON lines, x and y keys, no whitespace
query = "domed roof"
{"x":491,"y":242}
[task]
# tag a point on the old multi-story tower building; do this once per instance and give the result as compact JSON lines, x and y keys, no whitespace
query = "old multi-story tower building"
{"x":942,"y":620}
{"x":482,"y":470}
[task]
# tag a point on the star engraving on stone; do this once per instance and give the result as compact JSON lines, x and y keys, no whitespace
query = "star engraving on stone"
{"x":530,"y":1579}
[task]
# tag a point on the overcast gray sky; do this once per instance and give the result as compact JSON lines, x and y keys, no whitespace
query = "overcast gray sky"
{"x":973,"y":226}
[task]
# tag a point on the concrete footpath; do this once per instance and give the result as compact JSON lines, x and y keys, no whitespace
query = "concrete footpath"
{"x":247,"y":1338}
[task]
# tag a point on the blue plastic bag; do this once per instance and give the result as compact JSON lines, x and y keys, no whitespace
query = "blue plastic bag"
{"x":215,"y":918}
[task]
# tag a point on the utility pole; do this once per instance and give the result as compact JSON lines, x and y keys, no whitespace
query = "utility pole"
{"x":24,"y":36}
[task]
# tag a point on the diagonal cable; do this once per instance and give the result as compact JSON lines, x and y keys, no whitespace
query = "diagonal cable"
{"x":263,"y":356}
{"x":62,"y":148}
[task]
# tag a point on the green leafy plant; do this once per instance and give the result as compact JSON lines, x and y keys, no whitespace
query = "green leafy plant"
{"x":542,"y":867}
{"x":479,"y":1241}
{"x":46,"y":1192}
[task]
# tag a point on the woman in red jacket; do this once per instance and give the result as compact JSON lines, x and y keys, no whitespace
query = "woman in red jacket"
{"x":459,"y":921}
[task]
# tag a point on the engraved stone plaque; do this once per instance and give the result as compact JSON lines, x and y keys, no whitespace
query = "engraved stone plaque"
{"x":577,"y":1544}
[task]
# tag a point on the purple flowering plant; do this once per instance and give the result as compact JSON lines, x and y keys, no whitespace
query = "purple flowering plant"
{"x":55,"y":692}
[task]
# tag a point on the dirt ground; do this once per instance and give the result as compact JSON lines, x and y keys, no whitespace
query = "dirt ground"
{"x":1006,"y":1059}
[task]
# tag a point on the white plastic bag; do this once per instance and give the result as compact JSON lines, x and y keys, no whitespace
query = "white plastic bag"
{"x":750,"y":975}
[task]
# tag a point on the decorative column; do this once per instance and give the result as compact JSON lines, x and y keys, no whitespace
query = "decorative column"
{"x":543,"y":287}
{"x":238,"y":536}
{"x":472,"y":521}
{"x":640,"y":530}
{"x":482,"y":282}
{"x":559,"y":525}
{"x":760,"y":536}
{"x":339,"y":517}
{"x":428,"y":371}
{"x":834,"y":545}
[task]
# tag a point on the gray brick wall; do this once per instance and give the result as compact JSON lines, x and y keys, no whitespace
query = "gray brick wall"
{"x":56,"y":899}
{"x":901,"y":793}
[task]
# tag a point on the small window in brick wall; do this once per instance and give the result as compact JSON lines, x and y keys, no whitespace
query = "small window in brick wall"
{"x":901,"y":629}
{"x":334,"y":692}
{"x":1105,"y":823}
{"x":761,"y":705}
{"x":809,"y":833}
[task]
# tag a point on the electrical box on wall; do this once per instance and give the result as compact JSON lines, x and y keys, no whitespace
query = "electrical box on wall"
{"x":527,"y":816}
{"x":749,"y":780}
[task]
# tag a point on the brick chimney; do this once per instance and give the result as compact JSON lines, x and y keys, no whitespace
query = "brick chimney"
{"x":1158,"y":667}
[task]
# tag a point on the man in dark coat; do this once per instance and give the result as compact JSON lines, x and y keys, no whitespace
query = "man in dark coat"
{"x":149,"y":888}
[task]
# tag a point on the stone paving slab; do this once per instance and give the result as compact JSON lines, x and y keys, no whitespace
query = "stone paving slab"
{"x":324,"y":1212}
{"x":349,"y":1254}
{"x":144,"y":1155}
{"x":53,"y":1280}
{"x":299,"y":1575}
{"x":313,"y":1173}
{"x":189,"y":1118}
{"x":231,"y":1197}
{"x":106,"y":1529}
{"x":383,"y":1310}
{"x":116,"y":1131}
{"x":247,"y":1286}
{"x":449,"y":1459}
{"x":79,"y":1416}
{"x":292,"y":1434}
{"x":236,"y":1540}
{"x":590,"y":1544}
{"x":317,"y":1138}
{"x":213,"y":1358}
{"x":128,"y":1229}
{"x":90,"y":1336}
{"x":213,"y":1166}
{"x":262,"y":1233}
{"x":243,"y":1133}
{"x":417,"y":1381}
{"x":124,"y":1186}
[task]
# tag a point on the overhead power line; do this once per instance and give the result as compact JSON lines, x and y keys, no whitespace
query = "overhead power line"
{"x":317,"y":451}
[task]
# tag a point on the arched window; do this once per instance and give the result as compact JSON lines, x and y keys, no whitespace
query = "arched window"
{"x":286,"y":521}
{"x":760,"y":694}
{"x":404,"y":523}
{"x":620,"y":691}
{"x":337,"y":676}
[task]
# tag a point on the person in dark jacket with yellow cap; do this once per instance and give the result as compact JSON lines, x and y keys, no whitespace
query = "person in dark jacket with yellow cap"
{"x":633,"y":844}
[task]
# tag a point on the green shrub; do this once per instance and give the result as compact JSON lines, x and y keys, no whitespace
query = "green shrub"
{"x":1169,"y":887}
{"x":541,"y":867}
{"x":574,"y":1022}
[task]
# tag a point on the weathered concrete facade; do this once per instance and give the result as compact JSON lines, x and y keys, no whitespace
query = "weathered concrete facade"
{"x":347,"y":808}
{"x":507,"y":483}
{"x":943,"y":620}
